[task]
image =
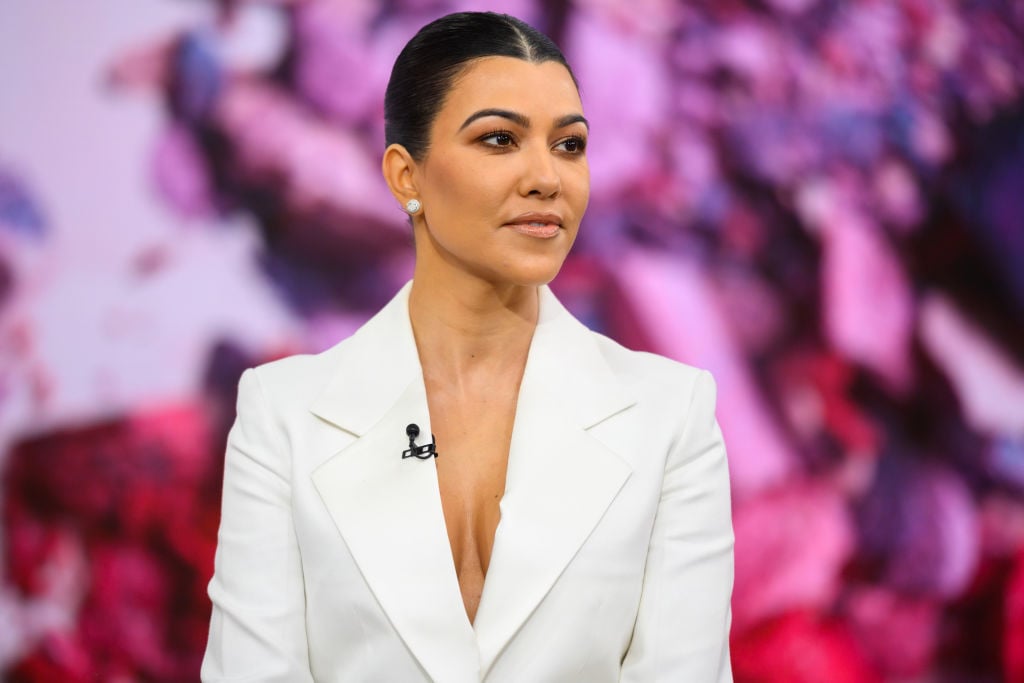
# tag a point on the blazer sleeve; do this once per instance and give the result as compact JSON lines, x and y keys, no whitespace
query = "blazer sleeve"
{"x":682,"y":627}
{"x":257,"y":629}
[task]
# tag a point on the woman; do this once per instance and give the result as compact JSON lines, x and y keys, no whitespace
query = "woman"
{"x":575,"y":522}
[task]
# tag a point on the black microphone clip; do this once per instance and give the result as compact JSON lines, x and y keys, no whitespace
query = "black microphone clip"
{"x":423,"y":452}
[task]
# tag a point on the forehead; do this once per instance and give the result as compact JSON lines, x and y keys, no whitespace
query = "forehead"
{"x":545,"y":89}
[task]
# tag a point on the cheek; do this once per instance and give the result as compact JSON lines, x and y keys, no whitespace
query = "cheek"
{"x":467,"y":184}
{"x":462,"y":197}
{"x":576,"y":186}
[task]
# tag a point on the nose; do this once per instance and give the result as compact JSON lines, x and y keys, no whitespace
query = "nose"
{"x":540,"y":176}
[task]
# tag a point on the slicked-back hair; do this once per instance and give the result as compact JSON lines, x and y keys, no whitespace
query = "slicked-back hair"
{"x":428,"y":65}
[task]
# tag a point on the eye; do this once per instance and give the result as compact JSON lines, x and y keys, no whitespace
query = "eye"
{"x":498,"y":138}
{"x":573,"y":145}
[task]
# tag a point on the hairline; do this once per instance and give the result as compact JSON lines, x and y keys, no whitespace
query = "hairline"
{"x":460,"y":71}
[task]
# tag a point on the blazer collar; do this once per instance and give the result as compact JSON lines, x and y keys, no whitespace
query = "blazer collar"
{"x":371,"y":369}
{"x":380,"y":360}
{"x":559,"y":483}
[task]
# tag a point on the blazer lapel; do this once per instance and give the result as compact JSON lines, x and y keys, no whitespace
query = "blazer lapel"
{"x":387,"y":509}
{"x":560,"y":479}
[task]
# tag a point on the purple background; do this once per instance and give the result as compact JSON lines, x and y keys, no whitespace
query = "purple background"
{"x":822,"y":202}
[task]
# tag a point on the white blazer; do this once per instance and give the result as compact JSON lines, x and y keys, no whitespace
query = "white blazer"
{"x":612,"y":561}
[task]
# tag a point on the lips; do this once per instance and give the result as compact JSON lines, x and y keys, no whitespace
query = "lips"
{"x":541,"y":225}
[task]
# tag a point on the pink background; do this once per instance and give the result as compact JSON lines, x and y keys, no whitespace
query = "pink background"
{"x":821,"y":202}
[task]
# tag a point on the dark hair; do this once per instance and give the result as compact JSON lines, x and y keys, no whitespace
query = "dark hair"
{"x":429,"y":63}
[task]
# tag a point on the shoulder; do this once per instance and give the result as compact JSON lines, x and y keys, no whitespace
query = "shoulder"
{"x":673,"y":406}
{"x":657,"y":383}
{"x":649,"y":373}
{"x":297,"y":377}
{"x":379,"y":342}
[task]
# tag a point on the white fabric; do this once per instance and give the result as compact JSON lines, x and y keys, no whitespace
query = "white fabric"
{"x":612,"y":560}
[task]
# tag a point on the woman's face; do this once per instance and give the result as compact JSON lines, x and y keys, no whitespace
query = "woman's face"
{"x":505,"y":181}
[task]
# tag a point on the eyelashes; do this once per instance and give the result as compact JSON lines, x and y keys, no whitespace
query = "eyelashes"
{"x":502,"y":138}
{"x":578,"y":143}
{"x":505,"y":139}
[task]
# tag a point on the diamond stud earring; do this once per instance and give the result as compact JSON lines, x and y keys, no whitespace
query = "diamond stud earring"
{"x":413,"y":206}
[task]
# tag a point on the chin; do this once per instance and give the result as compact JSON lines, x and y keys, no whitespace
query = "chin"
{"x":533,"y":266}
{"x":531,"y":272}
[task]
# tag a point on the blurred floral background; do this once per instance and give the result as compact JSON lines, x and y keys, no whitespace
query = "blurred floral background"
{"x":821,"y":201}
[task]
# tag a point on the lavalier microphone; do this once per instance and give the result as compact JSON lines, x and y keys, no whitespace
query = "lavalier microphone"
{"x":423,"y":452}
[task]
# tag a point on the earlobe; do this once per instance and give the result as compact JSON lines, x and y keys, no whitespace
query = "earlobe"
{"x":399,"y":168}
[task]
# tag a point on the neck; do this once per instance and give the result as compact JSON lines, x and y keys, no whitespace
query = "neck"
{"x":464,"y":325}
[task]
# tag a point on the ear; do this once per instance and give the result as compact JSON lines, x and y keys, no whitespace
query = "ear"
{"x":399,"y":170}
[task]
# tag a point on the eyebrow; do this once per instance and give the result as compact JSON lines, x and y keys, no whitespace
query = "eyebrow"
{"x":523,"y":121}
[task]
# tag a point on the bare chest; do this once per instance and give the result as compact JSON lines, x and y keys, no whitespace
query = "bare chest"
{"x":473,"y":437}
